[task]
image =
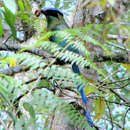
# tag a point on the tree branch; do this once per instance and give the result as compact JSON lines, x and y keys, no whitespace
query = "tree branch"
{"x":13,"y":70}
{"x":119,"y":96}
{"x":115,"y":57}
{"x":110,"y":114}
{"x":112,"y":102}
{"x":116,"y":82}
{"x":18,"y":47}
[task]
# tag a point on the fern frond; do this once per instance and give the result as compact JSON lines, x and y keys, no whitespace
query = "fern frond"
{"x":31,"y":61}
{"x":63,"y":74}
{"x":56,"y":104}
{"x":72,"y":40}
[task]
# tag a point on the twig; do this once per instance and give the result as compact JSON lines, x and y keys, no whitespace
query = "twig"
{"x":119,"y":81}
{"x":118,"y":87}
{"x":128,"y":50}
{"x":115,"y":82}
{"x":118,"y":103}
{"x":113,"y":122}
{"x":4,"y":42}
{"x":115,"y":37}
{"x":123,"y":99}
{"x":124,"y":118}
{"x":3,"y":124}
{"x":110,"y":75}
{"x":109,"y":110}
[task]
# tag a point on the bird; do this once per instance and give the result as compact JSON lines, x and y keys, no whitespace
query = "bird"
{"x":56,"y":22}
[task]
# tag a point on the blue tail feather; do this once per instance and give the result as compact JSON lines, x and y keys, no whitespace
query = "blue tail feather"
{"x":84,"y":99}
{"x":89,"y":119}
{"x":75,"y":69}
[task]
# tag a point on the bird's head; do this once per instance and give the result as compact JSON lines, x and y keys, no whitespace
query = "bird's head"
{"x":52,"y":12}
{"x":55,"y":19}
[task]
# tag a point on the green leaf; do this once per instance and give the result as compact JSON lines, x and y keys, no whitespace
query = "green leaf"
{"x":12,"y":116}
{"x":88,"y":90}
{"x":3,"y":90}
{"x":103,"y":3}
{"x":127,"y":66}
{"x":21,"y":6}
{"x":43,"y":3}
{"x":11,"y":5}
{"x":99,"y":108}
{"x":57,"y":4}
{"x":10,"y":14}
{"x":10,"y":19}
{"x":1,"y":27}
{"x":5,"y":97}
{"x":111,"y":2}
{"x":30,"y":109}
{"x":27,"y":5}
{"x":44,"y":83}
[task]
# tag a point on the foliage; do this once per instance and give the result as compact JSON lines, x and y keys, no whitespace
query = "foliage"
{"x":30,"y":98}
